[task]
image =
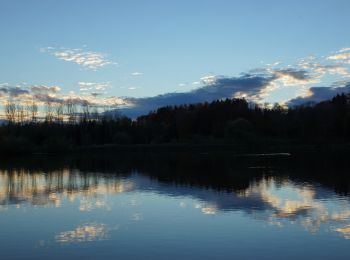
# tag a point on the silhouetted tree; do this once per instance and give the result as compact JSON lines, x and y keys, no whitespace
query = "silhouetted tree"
{"x":58,"y":108}
{"x":86,"y":111}
{"x":32,"y":108}
{"x":49,"y":110}
{"x":10,"y":111}
{"x":71,"y":109}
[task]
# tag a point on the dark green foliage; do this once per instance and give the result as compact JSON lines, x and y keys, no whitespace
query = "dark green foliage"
{"x":239,"y":129}
{"x":122,"y":138}
{"x":236,"y":119}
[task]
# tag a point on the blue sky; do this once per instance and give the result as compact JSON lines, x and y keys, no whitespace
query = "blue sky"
{"x":141,"y":49}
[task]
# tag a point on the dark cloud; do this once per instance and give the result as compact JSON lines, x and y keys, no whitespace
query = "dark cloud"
{"x":46,"y":94}
{"x":251,"y":85}
{"x":13,"y":91}
{"x":294,"y":73}
{"x":72,"y":100}
{"x":96,"y":94}
{"x":216,"y":88}
{"x":219,"y":88}
{"x":319,"y":94}
{"x":77,"y":101}
{"x":44,"y":97}
{"x":45,"y":89}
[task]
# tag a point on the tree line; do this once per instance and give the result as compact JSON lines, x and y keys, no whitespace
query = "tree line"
{"x":230,"y":121}
{"x":239,"y":120}
{"x":58,"y":111}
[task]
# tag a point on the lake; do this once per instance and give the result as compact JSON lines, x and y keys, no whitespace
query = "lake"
{"x":179,"y":206}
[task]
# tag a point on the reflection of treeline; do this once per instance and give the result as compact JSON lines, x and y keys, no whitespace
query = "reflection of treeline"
{"x":215,"y":171}
{"x":23,"y":185}
{"x":232,"y":121}
{"x":220,"y":171}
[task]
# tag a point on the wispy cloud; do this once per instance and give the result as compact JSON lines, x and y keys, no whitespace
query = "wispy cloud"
{"x":91,"y":86}
{"x":319,"y":68}
{"x":136,"y":73}
{"x":208,"y":79}
{"x":86,"y":59}
{"x":342,"y":56}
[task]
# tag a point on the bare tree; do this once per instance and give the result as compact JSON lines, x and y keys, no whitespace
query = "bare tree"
{"x":86,"y":110}
{"x":49,"y":111}
{"x":33,"y":110}
{"x":71,"y":109}
{"x":20,"y":113}
{"x":10,"y":111}
{"x":27,"y":111}
{"x":59,"y":111}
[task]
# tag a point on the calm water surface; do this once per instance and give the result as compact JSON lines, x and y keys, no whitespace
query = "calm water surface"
{"x":170,"y":210}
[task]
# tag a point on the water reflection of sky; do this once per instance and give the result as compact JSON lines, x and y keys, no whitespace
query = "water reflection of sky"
{"x":276,"y":201}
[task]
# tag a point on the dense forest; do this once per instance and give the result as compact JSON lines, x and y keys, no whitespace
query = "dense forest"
{"x":230,"y":121}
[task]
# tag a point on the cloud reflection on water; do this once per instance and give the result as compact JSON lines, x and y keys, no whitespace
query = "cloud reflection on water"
{"x":83,"y":233}
{"x":274,"y":200}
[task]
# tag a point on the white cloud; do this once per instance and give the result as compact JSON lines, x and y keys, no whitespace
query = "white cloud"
{"x":342,"y":56}
{"x":86,"y":59}
{"x":136,"y":73}
{"x":100,"y":86}
{"x":344,"y":50}
{"x":115,"y":101}
{"x":208,"y":79}
{"x":42,"y":94}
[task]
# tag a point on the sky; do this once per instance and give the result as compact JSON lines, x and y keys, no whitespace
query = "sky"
{"x":144,"y":54}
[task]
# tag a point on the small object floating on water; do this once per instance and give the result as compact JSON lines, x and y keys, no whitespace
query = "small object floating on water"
{"x":263,"y":154}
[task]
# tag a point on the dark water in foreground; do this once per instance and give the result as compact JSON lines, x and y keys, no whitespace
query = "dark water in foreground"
{"x":178,"y":207}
